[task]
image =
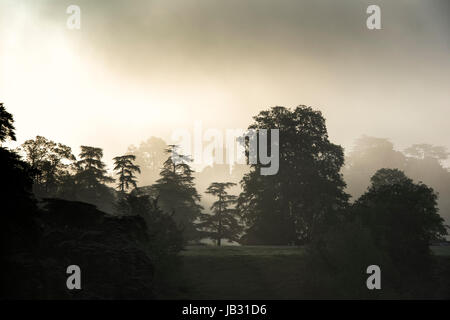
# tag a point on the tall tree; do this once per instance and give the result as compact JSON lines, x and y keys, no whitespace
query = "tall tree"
{"x":293,"y":205}
{"x":223,"y":222}
{"x":6,"y":125}
{"x":125,"y":168}
{"x":177,"y":193}
{"x":91,"y":170}
{"x":367,"y":156}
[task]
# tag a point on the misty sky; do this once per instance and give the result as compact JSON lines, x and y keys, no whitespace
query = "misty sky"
{"x":145,"y":68}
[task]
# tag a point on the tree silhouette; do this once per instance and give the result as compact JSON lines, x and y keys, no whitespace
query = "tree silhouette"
{"x":223,"y":223}
{"x":90,"y":169}
{"x":6,"y":125}
{"x":19,"y":227}
{"x":177,"y":193}
{"x":293,"y":205}
{"x":16,"y":182}
{"x":386,"y":177}
{"x":402,"y":217}
{"x":51,"y":162}
{"x":125,"y":167}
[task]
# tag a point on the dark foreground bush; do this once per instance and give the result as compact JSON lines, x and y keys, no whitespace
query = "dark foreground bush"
{"x":111,"y":252}
{"x":166,"y":239}
{"x":337,"y":262}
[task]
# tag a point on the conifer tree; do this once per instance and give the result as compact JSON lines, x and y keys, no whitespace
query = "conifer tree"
{"x":91,"y":170}
{"x":223,"y":222}
{"x":125,"y":168}
{"x":177,"y":193}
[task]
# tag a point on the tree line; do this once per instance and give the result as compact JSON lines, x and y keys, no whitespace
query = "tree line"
{"x":306,"y":203}
{"x":57,"y":173}
{"x":291,"y":207}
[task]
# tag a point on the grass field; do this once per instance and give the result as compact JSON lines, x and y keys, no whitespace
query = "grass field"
{"x":228,"y":251}
{"x":243,"y":272}
{"x":235,"y":272}
{"x":441,"y":251}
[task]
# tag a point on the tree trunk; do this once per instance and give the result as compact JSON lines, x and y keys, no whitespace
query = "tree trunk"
{"x":121,"y":186}
{"x":219,"y":234}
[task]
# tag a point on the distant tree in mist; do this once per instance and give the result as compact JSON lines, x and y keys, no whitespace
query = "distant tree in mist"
{"x":293,"y":205}
{"x":177,"y":193}
{"x":427,"y":165}
{"x":223,"y":223}
{"x":420,"y":162}
{"x":424,"y":151}
{"x":150,"y":157}
{"x":126,"y":169}
{"x":368,"y":155}
{"x":6,"y":125}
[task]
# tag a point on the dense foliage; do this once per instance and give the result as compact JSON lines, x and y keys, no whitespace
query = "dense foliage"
{"x":292,"y":206}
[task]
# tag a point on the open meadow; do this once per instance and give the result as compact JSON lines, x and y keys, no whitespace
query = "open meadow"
{"x":249,"y":272}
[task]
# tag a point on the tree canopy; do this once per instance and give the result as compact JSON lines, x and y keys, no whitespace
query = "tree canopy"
{"x":402,"y":216}
{"x":51,"y":162}
{"x":291,"y":206}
